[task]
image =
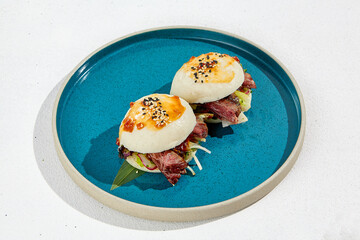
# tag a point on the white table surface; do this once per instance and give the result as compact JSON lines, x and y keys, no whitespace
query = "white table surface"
{"x":318,"y":41}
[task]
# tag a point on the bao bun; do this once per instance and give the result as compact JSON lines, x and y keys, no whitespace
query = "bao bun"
{"x":156,"y":123}
{"x":208,"y":77}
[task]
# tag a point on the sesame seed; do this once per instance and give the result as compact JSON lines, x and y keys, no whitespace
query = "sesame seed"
{"x":144,"y":113}
{"x":210,"y":71}
{"x":195,"y":81}
{"x":202,"y":81}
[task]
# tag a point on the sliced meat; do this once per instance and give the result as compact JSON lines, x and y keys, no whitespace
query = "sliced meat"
{"x":232,"y":97}
{"x":170,"y":164}
{"x":225,"y":109}
{"x":124,"y":152}
{"x":200,"y":129}
{"x":182,"y":148}
{"x":248,"y":81}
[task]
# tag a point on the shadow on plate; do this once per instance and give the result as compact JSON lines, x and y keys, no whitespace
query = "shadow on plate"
{"x":103,"y":147}
{"x":164,"y":89}
{"x":216,"y":130}
{"x":61,"y":183}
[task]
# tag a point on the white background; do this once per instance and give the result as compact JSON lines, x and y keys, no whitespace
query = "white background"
{"x":318,"y":41}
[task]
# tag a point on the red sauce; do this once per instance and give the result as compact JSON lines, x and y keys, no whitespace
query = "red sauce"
{"x":140,"y":126}
{"x":128,"y":124}
{"x":236,"y":58}
{"x":118,"y":141}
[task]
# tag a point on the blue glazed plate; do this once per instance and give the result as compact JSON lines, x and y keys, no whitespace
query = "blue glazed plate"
{"x":247,"y":160}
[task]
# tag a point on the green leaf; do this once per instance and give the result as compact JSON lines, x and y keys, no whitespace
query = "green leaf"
{"x":126,"y":174}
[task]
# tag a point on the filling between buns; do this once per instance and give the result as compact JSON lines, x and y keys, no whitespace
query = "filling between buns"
{"x":229,"y":110}
{"x":173,"y":162}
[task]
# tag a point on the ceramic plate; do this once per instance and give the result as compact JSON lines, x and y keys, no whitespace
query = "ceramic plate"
{"x":247,"y":160}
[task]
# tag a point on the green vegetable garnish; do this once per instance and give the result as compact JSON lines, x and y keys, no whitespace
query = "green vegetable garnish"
{"x":244,"y":100}
{"x":126,"y":174}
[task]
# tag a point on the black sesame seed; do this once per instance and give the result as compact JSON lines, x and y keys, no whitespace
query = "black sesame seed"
{"x":210,"y":71}
{"x":202,"y":81}
{"x":207,"y":57}
{"x":195,"y":81}
{"x":144,"y":113}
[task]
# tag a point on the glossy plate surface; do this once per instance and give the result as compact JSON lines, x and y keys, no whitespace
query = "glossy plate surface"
{"x":244,"y":157}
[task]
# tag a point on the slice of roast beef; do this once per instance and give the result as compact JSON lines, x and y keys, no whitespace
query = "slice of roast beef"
{"x":232,"y":97}
{"x":200,"y":129}
{"x":124,"y":152}
{"x":248,"y":81}
{"x":170,"y":164}
{"x":225,"y":109}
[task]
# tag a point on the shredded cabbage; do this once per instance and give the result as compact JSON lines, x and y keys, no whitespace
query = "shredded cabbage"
{"x":191,"y":170}
{"x":244,"y":100}
{"x":196,"y":160}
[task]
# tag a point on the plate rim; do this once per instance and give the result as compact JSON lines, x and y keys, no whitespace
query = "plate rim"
{"x":199,"y":213}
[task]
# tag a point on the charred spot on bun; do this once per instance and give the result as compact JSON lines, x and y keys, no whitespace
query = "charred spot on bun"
{"x":215,"y":83}
{"x":160,"y":133}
